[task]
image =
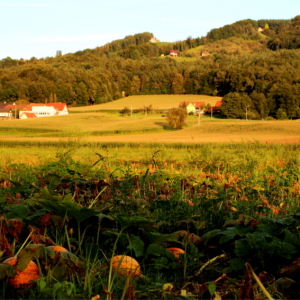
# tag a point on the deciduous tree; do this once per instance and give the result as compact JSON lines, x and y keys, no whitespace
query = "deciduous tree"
{"x":176,"y":118}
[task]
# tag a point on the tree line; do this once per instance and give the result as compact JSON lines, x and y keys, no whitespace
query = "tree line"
{"x":262,"y":83}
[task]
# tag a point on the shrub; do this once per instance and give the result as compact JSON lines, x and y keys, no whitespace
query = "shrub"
{"x":176,"y":118}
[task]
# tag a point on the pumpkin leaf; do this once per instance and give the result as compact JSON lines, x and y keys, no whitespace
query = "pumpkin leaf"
{"x":6,"y":270}
{"x":212,"y":288}
{"x":230,"y":232}
{"x":67,"y":257}
{"x":65,"y":208}
{"x":38,"y":213}
{"x":39,"y":250}
{"x":155,"y":250}
{"x":136,"y":244}
{"x":127,"y":221}
{"x":41,"y":284}
{"x":23,"y":260}
{"x":18,"y":211}
{"x":54,"y":180}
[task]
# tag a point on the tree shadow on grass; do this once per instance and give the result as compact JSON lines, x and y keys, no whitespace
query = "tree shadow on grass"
{"x":164,"y":125}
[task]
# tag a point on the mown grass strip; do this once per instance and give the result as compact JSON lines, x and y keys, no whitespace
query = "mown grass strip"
{"x":221,"y":147}
{"x":28,"y":129}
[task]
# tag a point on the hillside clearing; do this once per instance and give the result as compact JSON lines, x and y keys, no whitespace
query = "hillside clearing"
{"x":157,"y":102}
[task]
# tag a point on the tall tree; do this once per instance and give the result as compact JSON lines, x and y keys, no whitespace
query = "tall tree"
{"x":177,"y":84}
{"x":135,"y":85}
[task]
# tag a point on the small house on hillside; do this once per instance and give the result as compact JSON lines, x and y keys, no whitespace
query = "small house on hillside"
{"x":191,"y":107}
{"x":205,"y":53}
{"x":174,"y":53}
{"x":260,"y":29}
{"x":154,"y":40}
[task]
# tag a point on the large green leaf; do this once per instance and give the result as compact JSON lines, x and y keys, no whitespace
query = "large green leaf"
{"x":291,"y":238}
{"x":6,"y":270}
{"x":39,"y":251}
{"x":65,"y":208}
{"x":38,"y":213}
{"x":155,"y":250}
{"x":18,"y":211}
{"x":230,"y":233}
{"x":54,"y":180}
{"x":141,"y":222}
{"x":78,"y":212}
{"x":210,"y":235}
{"x":136,"y":244}
{"x":23,"y":260}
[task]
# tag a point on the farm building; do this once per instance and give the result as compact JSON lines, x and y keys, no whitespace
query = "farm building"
{"x":154,"y":40}
{"x":174,"y":52}
{"x":36,"y":110}
{"x":191,"y":107}
{"x":5,"y":113}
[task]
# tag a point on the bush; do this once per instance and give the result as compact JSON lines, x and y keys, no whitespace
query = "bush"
{"x":281,"y":114}
{"x":125,"y":111}
{"x":176,"y":117}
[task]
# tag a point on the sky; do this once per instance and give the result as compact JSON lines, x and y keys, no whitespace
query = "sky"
{"x":39,"y":28}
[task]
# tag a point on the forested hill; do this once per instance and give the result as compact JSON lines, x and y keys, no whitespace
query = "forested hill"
{"x":249,"y":68}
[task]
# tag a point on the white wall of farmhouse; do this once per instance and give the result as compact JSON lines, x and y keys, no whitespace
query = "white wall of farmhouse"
{"x":43,"y":111}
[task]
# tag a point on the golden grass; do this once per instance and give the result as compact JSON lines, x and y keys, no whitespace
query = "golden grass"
{"x":181,"y":58}
{"x":222,"y":132}
{"x":211,"y":131}
{"x":231,"y":45}
{"x":90,"y":122}
{"x":157,"y":101}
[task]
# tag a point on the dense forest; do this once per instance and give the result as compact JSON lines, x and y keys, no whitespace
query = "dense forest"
{"x":252,"y":70}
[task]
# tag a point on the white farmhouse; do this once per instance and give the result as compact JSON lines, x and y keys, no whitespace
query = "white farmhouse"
{"x":44,"y":110}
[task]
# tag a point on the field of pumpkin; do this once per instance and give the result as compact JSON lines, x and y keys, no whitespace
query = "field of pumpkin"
{"x":221,"y":223}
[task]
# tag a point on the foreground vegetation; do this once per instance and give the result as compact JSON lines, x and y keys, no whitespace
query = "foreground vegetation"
{"x":231,"y":208}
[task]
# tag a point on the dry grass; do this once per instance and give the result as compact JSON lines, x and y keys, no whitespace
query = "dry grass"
{"x":222,"y":131}
{"x":157,"y":101}
{"x":90,"y":122}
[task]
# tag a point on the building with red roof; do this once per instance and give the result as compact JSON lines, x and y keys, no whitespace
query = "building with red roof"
{"x":37,"y":110}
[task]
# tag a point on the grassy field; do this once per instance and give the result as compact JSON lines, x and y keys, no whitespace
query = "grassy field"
{"x":101,"y":127}
{"x":231,"y":45}
{"x":157,"y":102}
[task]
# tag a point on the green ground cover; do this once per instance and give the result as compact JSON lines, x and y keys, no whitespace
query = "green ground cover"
{"x":227,"y":203}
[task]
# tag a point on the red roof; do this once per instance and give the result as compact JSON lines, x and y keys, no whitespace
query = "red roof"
{"x":215,"y":107}
{"x":57,"y":105}
{"x":29,"y":115}
{"x":19,"y":106}
{"x":174,"y":51}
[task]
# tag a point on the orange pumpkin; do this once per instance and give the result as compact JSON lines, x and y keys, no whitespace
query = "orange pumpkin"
{"x":57,"y":248}
{"x":126,"y":266}
{"x":23,"y":278}
{"x":176,"y":252}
